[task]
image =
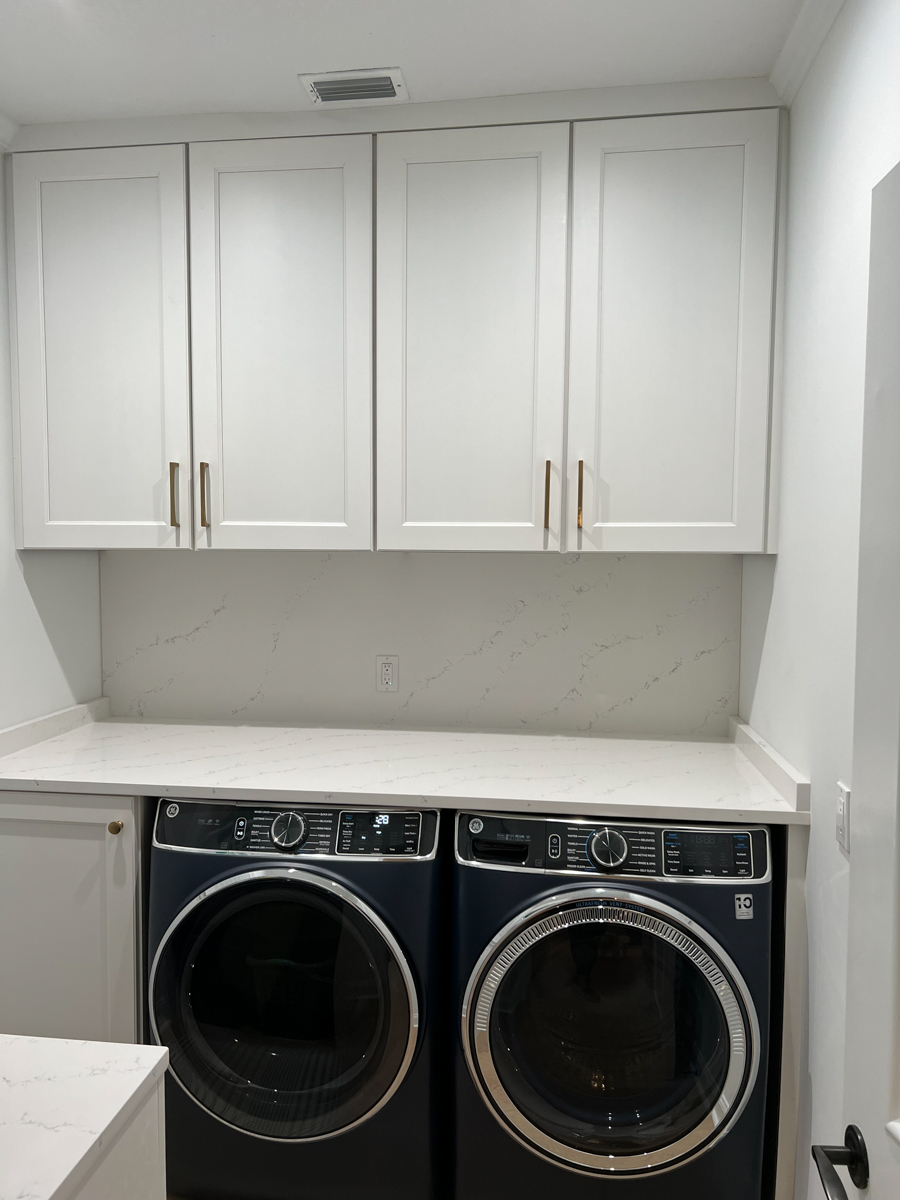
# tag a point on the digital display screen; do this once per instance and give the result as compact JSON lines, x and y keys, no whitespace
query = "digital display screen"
{"x":379,"y":833}
{"x":707,"y":853}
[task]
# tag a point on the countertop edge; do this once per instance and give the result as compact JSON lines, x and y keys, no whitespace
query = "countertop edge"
{"x":98,"y":1148}
{"x":785,"y":815}
{"x":41,"y":1166}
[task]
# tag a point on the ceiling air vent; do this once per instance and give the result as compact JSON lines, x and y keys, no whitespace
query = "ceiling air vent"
{"x":380,"y":85}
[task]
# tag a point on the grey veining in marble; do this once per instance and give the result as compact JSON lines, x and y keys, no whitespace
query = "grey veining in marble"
{"x":59,"y":1101}
{"x":541,"y":773}
{"x":637,"y":644}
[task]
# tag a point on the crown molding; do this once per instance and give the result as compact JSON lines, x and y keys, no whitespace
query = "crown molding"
{"x":592,"y":104}
{"x":8,"y":130}
{"x":811,"y":28}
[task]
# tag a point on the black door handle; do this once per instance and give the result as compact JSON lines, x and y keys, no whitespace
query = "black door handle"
{"x":851,"y":1155}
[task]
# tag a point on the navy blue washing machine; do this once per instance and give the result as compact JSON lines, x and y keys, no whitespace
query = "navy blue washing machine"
{"x":613,"y":985}
{"x":293,"y":961}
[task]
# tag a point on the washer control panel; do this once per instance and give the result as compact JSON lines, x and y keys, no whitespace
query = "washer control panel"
{"x":612,"y":848}
{"x":236,"y":828}
{"x":385,"y":834}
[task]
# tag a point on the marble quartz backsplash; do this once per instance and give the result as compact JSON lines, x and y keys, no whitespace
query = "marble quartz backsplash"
{"x":636,"y":644}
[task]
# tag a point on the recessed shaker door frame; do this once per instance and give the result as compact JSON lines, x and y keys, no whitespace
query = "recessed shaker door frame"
{"x":471,"y":301}
{"x":100,"y":348}
{"x":281,"y":322}
{"x":673,"y":256}
{"x":69,"y":933}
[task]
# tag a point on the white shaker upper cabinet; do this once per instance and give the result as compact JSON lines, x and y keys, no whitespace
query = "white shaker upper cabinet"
{"x":471,"y":297}
{"x":101,"y":348}
{"x":672,"y":281}
{"x":281,"y":321}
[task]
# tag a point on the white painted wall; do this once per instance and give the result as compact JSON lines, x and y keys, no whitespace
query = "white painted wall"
{"x":646,"y":644}
{"x":49,"y":601}
{"x":799,"y":614}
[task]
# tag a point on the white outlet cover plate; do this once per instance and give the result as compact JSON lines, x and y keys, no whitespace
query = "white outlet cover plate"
{"x":394,"y":661}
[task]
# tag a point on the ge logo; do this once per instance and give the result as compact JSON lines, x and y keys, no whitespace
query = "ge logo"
{"x":743,"y":907}
{"x":173,"y":810}
{"x":476,"y":825}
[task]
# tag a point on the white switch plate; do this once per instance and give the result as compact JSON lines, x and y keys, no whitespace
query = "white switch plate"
{"x":842,"y":820}
{"x":387,"y":677}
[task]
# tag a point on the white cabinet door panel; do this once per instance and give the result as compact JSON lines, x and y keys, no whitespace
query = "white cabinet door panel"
{"x":67,"y":917}
{"x":471,"y":336}
{"x":281,"y":307}
{"x":672,"y":274}
{"x":102,"y":347}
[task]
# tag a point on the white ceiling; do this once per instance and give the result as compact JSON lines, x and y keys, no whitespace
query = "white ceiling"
{"x":67,"y":60}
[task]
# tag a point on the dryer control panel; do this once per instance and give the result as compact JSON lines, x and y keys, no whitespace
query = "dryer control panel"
{"x":613,"y":848}
{"x":240,"y":828}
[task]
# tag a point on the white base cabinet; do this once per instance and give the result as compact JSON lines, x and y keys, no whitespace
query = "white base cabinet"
{"x":68,"y":928}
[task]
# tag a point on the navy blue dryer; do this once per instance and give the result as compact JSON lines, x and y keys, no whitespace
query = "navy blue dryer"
{"x":613,"y":988}
{"x":292,"y":956}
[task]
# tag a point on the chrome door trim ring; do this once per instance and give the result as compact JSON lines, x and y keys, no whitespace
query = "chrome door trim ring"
{"x":332,"y":887}
{"x":535,"y":923}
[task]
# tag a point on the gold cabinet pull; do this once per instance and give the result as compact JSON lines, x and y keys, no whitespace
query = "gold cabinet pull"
{"x":115,"y":827}
{"x":547,"y":495}
{"x":204,"y":484}
{"x":580,"y":490}
{"x":173,"y":512}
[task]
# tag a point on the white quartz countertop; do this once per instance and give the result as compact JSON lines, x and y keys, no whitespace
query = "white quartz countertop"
{"x":590,"y":776}
{"x":61,"y":1103}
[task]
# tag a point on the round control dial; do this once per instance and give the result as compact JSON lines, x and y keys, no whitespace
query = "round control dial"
{"x":288,"y":830}
{"x":608,"y":849}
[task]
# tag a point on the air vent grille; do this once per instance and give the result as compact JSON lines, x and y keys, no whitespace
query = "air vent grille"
{"x":381,"y":85}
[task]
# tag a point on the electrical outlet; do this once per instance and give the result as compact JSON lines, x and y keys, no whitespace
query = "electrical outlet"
{"x":387,"y":678}
{"x":842,"y":821}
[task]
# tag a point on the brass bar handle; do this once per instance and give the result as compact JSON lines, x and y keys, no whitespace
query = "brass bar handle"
{"x":547,"y":496}
{"x":173,"y":512}
{"x":115,"y":827}
{"x":204,"y":484}
{"x":580,"y":492}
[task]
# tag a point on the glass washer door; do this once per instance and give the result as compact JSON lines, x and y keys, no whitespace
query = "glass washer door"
{"x":286,"y":1004}
{"x":609,"y":1033}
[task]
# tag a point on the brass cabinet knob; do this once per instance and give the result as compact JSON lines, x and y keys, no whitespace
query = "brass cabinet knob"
{"x":116,"y":826}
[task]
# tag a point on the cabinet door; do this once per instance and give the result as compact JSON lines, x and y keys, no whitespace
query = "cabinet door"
{"x":67,"y":917}
{"x":101,"y":343}
{"x":471,"y":296}
{"x":672,"y":279}
{"x":281,"y":320}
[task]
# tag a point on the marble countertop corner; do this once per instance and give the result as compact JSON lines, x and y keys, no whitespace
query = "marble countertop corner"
{"x":61,"y":1102}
